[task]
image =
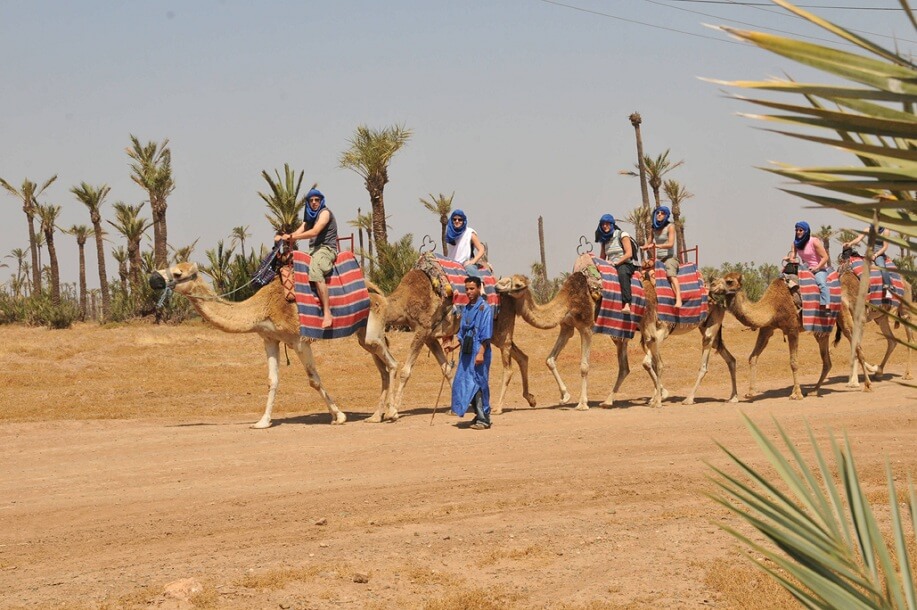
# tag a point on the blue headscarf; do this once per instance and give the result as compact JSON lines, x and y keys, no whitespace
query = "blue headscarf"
{"x":800,"y":242}
{"x":661,"y":225}
{"x":310,"y":215}
{"x":602,"y":236}
{"x":452,"y":234}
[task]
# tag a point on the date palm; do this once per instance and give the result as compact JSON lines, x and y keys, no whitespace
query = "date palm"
{"x":19,"y":255}
{"x":179,"y":255}
{"x":825,"y":233}
{"x":370,"y":154}
{"x":441,"y":206}
{"x":238,"y":236}
{"x":284,"y":202}
{"x":81,"y":233}
{"x":152,"y":171}
{"x":28,"y":193}
{"x":93,"y":197}
{"x":219,"y":264}
{"x":47,"y":215}
{"x":129,"y":224}
{"x":636,"y":120}
{"x":656,"y":170}
{"x":364,"y":222}
{"x":677,"y":193}
{"x":640,"y":218}
{"x":119,"y":253}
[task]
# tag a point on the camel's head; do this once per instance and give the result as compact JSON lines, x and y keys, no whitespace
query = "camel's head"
{"x":512,"y":285}
{"x":729,"y":284}
{"x":174,"y":276}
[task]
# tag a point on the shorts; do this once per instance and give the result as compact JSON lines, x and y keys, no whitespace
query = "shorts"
{"x":322,"y":263}
{"x":671,"y":266}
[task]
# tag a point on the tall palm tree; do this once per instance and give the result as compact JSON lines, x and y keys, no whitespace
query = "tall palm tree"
{"x":284,"y":202}
{"x":28,"y":194}
{"x":364,"y":222}
{"x":656,"y":169}
{"x":119,"y":253}
{"x":239,"y":235}
{"x":92,"y":197}
{"x":825,"y":233}
{"x":636,"y":120}
{"x":152,"y":170}
{"x":219,"y":262}
{"x":129,"y":224}
{"x":82,"y":233}
{"x":442,"y":207}
{"x":370,"y":154}
{"x":677,"y":193}
{"x":48,"y":215}
{"x":19,"y":255}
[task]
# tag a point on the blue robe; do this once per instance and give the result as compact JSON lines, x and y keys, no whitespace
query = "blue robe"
{"x":477,"y":322}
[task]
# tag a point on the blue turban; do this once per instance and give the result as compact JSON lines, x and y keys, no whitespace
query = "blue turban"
{"x":310,"y":215}
{"x":452,"y":234}
{"x":603,"y":236}
{"x":800,"y":242}
{"x":660,"y":225}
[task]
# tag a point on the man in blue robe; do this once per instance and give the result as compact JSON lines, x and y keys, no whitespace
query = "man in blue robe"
{"x":471,"y":387}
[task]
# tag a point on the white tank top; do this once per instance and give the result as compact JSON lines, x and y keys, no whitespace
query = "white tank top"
{"x":460,"y":251}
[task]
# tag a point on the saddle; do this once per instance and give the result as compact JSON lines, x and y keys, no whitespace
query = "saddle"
{"x":587,"y":265}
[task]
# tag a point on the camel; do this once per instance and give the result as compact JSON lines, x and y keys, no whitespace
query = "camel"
{"x":573,"y":308}
{"x":775,"y":311}
{"x":415,"y":304}
{"x":850,"y":286}
{"x":269,"y":315}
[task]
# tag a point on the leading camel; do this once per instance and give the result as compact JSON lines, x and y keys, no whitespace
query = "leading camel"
{"x":269,"y":315}
{"x":417,"y":305}
{"x":775,"y":310}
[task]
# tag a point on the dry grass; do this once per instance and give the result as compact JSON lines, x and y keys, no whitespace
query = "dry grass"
{"x":279,"y":578}
{"x":517,"y":554}
{"x":742,"y":586}
{"x":475,"y":599}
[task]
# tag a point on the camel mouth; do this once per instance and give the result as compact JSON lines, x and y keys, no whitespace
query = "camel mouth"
{"x":157,"y":282}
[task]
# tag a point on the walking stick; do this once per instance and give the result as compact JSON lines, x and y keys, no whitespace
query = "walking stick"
{"x":442,"y":384}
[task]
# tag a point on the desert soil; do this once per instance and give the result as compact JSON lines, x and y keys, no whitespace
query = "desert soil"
{"x":128,"y":464}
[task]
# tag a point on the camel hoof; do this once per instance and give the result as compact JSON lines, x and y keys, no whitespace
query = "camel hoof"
{"x":376,"y":418}
{"x":391,"y":416}
{"x":795,"y":396}
{"x":907,"y":376}
{"x":688,"y":401}
{"x":530,"y":398}
{"x":340,"y":419}
{"x":497,"y":411}
{"x":262,"y":424}
{"x":734,"y":399}
{"x":608,"y":402}
{"x":665,"y":394}
{"x":565,"y":398}
{"x":581,"y":407}
{"x":749,"y":394}
{"x":853,"y":384}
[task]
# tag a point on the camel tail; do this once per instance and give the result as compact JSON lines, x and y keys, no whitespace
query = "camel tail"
{"x":837,"y":334}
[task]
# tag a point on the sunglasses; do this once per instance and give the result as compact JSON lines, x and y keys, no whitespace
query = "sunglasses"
{"x":315,"y":198}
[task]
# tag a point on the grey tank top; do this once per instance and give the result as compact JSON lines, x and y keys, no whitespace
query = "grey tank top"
{"x":660,"y":238}
{"x":327,"y":237}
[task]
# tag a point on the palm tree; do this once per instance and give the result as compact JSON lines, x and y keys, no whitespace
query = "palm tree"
{"x":676,"y":194}
{"x":364,"y":222}
{"x":441,"y":206}
{"x":239,"y":235}
{"x":284,"y":201}
{"x":19,"y":255}
{"x":825,"y":233}
{"x":184,"y":253}
{"x":92,"y":197}
{"x":636,"y":120}
{"x":28,"y":194}
{"x":220,"y":261}
{"x":119,"y":253}
{"x":640,"y":218}
{"x":656,"y":169}
{"x":152,"y":170}
{"x":370,"y":153}
{"x":48,"y":215}
{"x":129,"y":224}
{"x":82,"y":233}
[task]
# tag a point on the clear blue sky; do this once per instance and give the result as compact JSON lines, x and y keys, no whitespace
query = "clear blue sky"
{"x":518,"y":106}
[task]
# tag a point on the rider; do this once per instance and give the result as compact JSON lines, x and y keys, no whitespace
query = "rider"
{"x":463,"y":244}
{"x":617,"y":249}
{"x":664,"y":244}
{"x":879,"y":258}
{"x":814,"y":256}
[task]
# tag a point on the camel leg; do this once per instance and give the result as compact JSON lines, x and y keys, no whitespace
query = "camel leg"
{"x":890,"y":344}
{"x":523,"y":361}
{"x":825,"y":351}
{"x":652,"y":363}
{"x":764,"y":335}
{"x":304,"y":351}
{"x":845,"y":325}
{"x":372,"y":339}
{"x":792,"y":340}
{"x":623,"y":370}
{"x":507,"y":355}
{"x":417,"y":343}
{"x":506,"y":360}
{"x":707,"y":335}
{"x":272,"y":349}
{"x":565,"y":333}
{"x":585,"y":346}
{"x":910,"y":341}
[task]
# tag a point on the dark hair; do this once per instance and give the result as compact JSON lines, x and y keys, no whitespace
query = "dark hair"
{"x":474,"y":280}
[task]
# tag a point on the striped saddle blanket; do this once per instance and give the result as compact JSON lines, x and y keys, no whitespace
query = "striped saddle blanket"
{"x":455,"y":272}
{"x":346,"y":292}
{"x":693,"y":308}
{"x":814,"y":318}
{"x":609,"y":319}
{"x":876,"y":293}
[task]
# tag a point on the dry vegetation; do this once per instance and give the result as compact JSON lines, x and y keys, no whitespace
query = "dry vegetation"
{"x":128,"y":464}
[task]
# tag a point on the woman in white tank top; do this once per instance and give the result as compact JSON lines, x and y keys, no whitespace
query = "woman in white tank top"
{"x":463,"y":245}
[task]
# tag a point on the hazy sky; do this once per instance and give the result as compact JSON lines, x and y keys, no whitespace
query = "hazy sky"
{"x":518,"y":106}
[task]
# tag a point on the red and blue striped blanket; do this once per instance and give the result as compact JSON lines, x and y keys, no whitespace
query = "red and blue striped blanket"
{"x":609,"y":320}
{"x":693,"y":308}
{"x":456,"y":274}
{"x":814,"y":318}
{"x":876,"y":293}
{"x":346,"y":291}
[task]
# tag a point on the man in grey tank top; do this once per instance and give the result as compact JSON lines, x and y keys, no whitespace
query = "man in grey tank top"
{"x":321,"y":229}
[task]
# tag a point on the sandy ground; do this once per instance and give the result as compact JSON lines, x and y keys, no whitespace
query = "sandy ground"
{"x":128,"y":464}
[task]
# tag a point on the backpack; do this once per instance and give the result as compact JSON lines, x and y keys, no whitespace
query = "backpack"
{"x":633,"y":246}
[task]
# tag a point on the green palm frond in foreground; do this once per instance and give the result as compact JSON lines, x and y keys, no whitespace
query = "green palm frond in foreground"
{"x":828,"y":551}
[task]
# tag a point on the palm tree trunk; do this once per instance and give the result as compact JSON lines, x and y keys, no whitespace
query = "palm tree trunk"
{"x":133,"y":258}
{"x":160,"y":234}
{"x":83,"y":311}
{"x":55,"y":270}
{"x":33,"y":248}
{"x":636,"y":120}
{"x":544,"y":262}
{"x":380,"y":231}
{"x":103,"y":279}
{"x":444,"y":222}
